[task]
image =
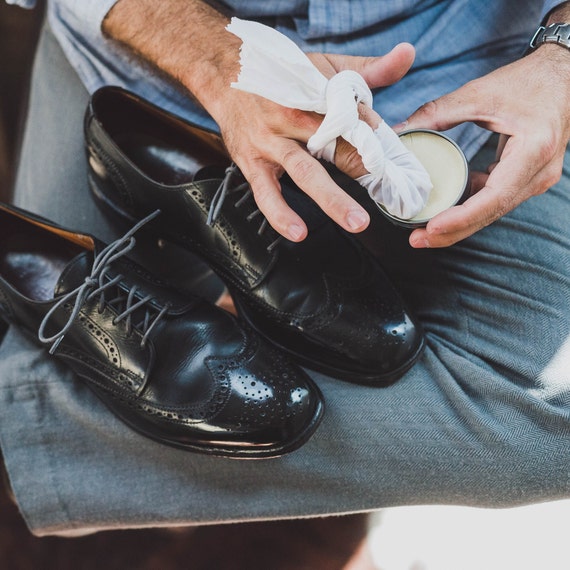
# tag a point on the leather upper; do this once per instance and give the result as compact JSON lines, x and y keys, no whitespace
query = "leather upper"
{"x":326,"y":299}
{"x":175,"y":367}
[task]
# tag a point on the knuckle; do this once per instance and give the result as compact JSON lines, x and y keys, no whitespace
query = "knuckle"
{"x":547,"y":147}
{"x":302,"y":120}
{"x":552,"y":175}
{"x":348,"y":160}
{"x":429,"y":109}
{"x":265,"y":200}
{"x":261,"y":193}
{"x":299,"y":165}
{"x":331,"y":203}
{"x":475,"y":90}
{"x":265,"y":195}
{"x":431,"y":112}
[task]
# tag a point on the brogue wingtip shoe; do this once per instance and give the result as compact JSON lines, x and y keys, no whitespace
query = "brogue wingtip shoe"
{"x":175,"y":368}
{"x":324,"y":300}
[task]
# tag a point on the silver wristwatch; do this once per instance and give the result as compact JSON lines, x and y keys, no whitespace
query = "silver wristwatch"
{"x":558,"y":33}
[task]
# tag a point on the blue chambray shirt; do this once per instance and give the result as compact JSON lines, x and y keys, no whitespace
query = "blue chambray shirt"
{"x":455,"y":41}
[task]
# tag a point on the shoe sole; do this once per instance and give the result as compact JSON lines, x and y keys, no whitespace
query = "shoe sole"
{"x":253,"y":452}
{"x":232,"y":452}
{"x":302,"y":355}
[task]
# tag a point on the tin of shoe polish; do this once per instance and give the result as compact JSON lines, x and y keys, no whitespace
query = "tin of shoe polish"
{"x":447,"y":166}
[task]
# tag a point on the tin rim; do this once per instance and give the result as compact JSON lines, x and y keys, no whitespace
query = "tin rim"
{"x":419,"y":222}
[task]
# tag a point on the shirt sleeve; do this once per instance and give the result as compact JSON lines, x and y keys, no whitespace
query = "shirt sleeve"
{"x":77,"y":26}
{"x":549,"y":5}
{"x":82,"y":18}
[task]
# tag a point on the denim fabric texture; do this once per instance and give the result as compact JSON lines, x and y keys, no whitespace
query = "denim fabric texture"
{"x":455,"y":40}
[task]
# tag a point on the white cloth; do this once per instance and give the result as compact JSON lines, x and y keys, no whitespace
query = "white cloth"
{"x":274,"y":67}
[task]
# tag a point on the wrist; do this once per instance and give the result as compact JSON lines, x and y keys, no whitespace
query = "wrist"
{"x":557,"y":33}
{"x":184,"y":39}
{"x":554,"y":30}
{"x":559,"y":14}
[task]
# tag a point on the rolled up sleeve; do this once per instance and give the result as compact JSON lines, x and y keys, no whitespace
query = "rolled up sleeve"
{"x":550,"y":5}
{"x":77,"y":26}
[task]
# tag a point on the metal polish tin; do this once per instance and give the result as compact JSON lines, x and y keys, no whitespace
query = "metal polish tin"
{"x":447,"y":166}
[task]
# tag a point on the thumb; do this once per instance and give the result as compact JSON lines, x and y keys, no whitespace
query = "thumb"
{"x":377,"y":71}
{"x":443,"y":113}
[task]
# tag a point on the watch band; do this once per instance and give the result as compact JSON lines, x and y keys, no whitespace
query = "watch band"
{"x":558,"y":33}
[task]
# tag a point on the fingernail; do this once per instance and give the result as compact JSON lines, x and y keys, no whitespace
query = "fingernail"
{"x":356,"y":219}
{"x":400,"y":126}
{"x":295,"y":232}
{"x":420,"y":243}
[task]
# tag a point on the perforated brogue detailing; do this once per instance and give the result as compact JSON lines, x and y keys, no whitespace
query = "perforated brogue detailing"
{"x":375,"y":316}
{"x":242,"y":245}
{"x":183,"y":415}
{"x":272,"y":396}
{"x":174,"y":368}
{"x":318,"y":299}
{"x":104,"y":339}
{"x":222,"y":225}
{"x":98,"y":373}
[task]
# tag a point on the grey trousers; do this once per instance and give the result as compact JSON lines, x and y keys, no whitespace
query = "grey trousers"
{"x":482,"y":419}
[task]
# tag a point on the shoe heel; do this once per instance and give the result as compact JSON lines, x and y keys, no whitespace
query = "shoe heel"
{"x":108,"y":208}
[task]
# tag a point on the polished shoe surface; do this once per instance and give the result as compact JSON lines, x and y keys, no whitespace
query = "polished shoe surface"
{"x":325,"y":300}
{"x":173,"y":367}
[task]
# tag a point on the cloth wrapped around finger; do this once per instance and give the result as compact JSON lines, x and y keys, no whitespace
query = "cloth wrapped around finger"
{"x":274,"y":67}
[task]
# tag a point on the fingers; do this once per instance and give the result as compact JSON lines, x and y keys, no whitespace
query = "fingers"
{"x":535,"y":130}
{"x":377,"y":71}
{"x":457,"y":223}
{"x":260,"y":162}
{"x":346,"y":158}
{"x":267,"y":193}
{"x":313,"y":179}
{"x":519,"y":174}
{"x":448,"y":111}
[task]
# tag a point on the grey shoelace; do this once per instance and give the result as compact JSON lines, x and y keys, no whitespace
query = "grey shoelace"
{"x":224,"y":189}
{"x":94,"y":284}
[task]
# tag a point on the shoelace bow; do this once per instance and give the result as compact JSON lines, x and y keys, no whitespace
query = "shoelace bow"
{"x":94,"y":284}
{"x":226,"y":188}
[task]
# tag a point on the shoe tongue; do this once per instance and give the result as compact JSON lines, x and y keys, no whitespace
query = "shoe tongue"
{"x":74,"y":273}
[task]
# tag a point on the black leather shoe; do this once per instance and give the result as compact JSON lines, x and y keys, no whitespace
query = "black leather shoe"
{"x":325,"y":300}
{"x":173,"y":367}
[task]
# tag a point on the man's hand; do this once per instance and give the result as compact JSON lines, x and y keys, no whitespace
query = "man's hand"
{"x":528,"y":102}
{"x":266,"y":139}
{"x":187,"y":40}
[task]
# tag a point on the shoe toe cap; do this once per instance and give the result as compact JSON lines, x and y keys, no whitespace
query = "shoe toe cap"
{"x":272,"y":403}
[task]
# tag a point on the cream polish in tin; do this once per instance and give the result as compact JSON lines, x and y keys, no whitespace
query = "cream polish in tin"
{"x":447,"y":166}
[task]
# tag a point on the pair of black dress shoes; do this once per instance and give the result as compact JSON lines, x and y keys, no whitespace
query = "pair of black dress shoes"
{"x":173,"y":366}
